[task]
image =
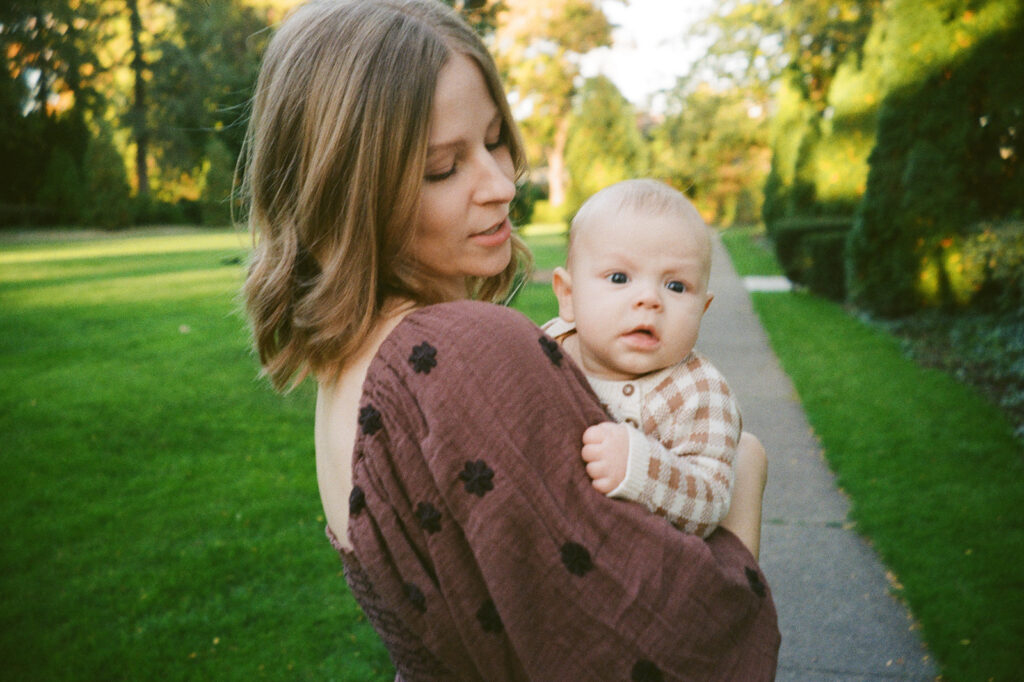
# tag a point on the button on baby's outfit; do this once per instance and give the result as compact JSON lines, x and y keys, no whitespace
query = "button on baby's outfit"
{"x":628,"y":389}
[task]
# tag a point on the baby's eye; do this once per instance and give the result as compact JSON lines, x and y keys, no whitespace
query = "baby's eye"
{"x":618,"y":278}
{"x":676,"y":286}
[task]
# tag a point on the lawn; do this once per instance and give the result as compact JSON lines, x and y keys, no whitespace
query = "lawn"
{"x":161,"y":518}
{"x":161,"y":514}
{"x":932,"y":468}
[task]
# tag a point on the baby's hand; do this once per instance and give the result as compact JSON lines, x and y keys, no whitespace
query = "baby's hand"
{"x":605,"y":450}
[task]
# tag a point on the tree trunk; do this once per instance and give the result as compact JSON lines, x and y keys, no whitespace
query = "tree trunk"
{"x":138,"y":115}
{"x":556,"y":163}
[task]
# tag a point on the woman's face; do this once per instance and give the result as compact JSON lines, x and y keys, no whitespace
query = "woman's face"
{"x":462,"y":229}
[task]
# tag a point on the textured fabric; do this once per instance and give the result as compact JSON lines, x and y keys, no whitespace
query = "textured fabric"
{"x":684,"y":428}
{"x":482,"y":543}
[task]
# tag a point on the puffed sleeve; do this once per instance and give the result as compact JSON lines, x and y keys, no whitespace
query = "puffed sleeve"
{"x":475,"y":525}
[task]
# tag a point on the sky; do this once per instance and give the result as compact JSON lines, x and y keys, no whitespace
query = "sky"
{"x":649,"y":50}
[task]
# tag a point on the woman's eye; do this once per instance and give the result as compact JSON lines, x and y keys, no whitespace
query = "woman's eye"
{"x":676,"y":286}
{"x":618,"y":278}
{"x":438,"y":177}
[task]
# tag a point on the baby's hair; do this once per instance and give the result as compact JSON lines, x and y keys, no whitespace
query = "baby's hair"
{"x":643,"y":195}
{"x":334,"y":160}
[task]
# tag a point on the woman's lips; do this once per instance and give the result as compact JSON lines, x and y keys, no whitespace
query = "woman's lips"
{"x":495,"y":236}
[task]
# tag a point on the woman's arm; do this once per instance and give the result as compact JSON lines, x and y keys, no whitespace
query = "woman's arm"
{"x":475,"y":519}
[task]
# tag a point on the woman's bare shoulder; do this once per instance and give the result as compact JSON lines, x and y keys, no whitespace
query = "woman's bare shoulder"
{"x":337,"y":409}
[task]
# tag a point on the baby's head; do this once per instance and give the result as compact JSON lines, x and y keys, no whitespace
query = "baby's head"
{"x":636,"y":279}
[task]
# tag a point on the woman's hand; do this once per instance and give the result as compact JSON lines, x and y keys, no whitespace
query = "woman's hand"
{"x":606,"y":450}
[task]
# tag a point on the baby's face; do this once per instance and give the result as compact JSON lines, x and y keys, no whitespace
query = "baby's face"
{"x":637,"y":291}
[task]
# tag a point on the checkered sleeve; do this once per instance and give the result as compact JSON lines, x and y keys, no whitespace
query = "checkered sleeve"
{"x":682,"y":465}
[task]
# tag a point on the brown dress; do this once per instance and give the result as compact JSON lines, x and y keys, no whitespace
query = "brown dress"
{"x":480,"y":549}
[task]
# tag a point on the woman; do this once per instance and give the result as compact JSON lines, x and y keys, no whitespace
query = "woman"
{"x":381,"y":161}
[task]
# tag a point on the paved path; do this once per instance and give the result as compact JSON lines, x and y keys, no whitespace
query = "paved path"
{"x":837,"y":619}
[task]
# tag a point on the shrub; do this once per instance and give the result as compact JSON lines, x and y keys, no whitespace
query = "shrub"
{"x":527,"y":195}
{"x":802,"y":246}
{"x":214,"y":207}
{"x":108,"y":203}
{"x":826,"y":275}
{"x":946,"y":158}
{"x":62,"y":189}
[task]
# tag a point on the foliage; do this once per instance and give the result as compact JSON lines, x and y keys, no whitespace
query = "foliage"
{"x":711,"y":145}
{"x":980,"y":348}
{"x":218,"y":183}
{"x":202,"y":82}
{"x":947,"y":156}
{"x":538,"y":44}
{"x":108,"y":202}
{"x":62,"y":186}
{"x":527,"y":195}
{"x":171,"y":73}
{"x":811,"y":252}
{"x":605,"y":145}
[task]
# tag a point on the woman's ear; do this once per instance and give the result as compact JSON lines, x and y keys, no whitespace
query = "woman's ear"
{"x":561,"y":282}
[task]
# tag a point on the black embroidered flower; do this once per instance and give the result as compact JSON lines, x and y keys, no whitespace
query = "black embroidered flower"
{"x":369,"y":420}
{"x":645,"y":671}
{"x":356,"y":501}
{"x":576,"y":558}
{"x":755,"y":582}
{"x":414,"y":595}
{"x":423,"y":358}
{"x":477,"y":477}
{"x":551,"y":349}
{"x":489,"y":619}
{"x":428,"y":517}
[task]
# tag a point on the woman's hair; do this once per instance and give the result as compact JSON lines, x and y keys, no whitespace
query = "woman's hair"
{"x":334,"y":162}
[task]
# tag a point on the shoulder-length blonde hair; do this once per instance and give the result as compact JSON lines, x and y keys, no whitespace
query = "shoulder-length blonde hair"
{"x":334,"y":161}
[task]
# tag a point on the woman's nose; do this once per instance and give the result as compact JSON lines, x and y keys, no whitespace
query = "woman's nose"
{"x":495,"y":183}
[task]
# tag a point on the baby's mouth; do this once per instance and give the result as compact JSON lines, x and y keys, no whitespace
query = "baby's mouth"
{"x":644,"y":335}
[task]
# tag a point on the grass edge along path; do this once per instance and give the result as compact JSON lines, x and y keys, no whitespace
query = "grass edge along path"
{"x":933,"y":471}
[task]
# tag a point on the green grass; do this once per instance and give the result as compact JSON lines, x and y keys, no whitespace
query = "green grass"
{"x":161,"y":513}
{"x":933,"y":471}
{"x":536,"y":299}
{"x":749,"y":252}
{"x":161,"y":519}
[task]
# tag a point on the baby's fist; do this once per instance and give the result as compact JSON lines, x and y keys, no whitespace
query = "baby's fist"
{"x":606,"y":450}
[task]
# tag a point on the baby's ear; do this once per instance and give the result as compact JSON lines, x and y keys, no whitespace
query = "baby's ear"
{"x":561,"y":282}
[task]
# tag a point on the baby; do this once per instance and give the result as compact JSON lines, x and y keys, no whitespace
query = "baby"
{"x":630,"y":302}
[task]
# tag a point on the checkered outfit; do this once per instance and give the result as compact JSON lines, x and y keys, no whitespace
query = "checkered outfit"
{"x":684,"y":426}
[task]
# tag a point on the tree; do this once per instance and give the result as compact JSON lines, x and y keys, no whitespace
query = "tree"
{"x":712,"y":144}
{"x":760,"y":40}
{"x":605,"y":144}
{"x":47,"y":91}
{"x":947,"y":158}
{"x":538,"y":44}
{"x":202,"y":82}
